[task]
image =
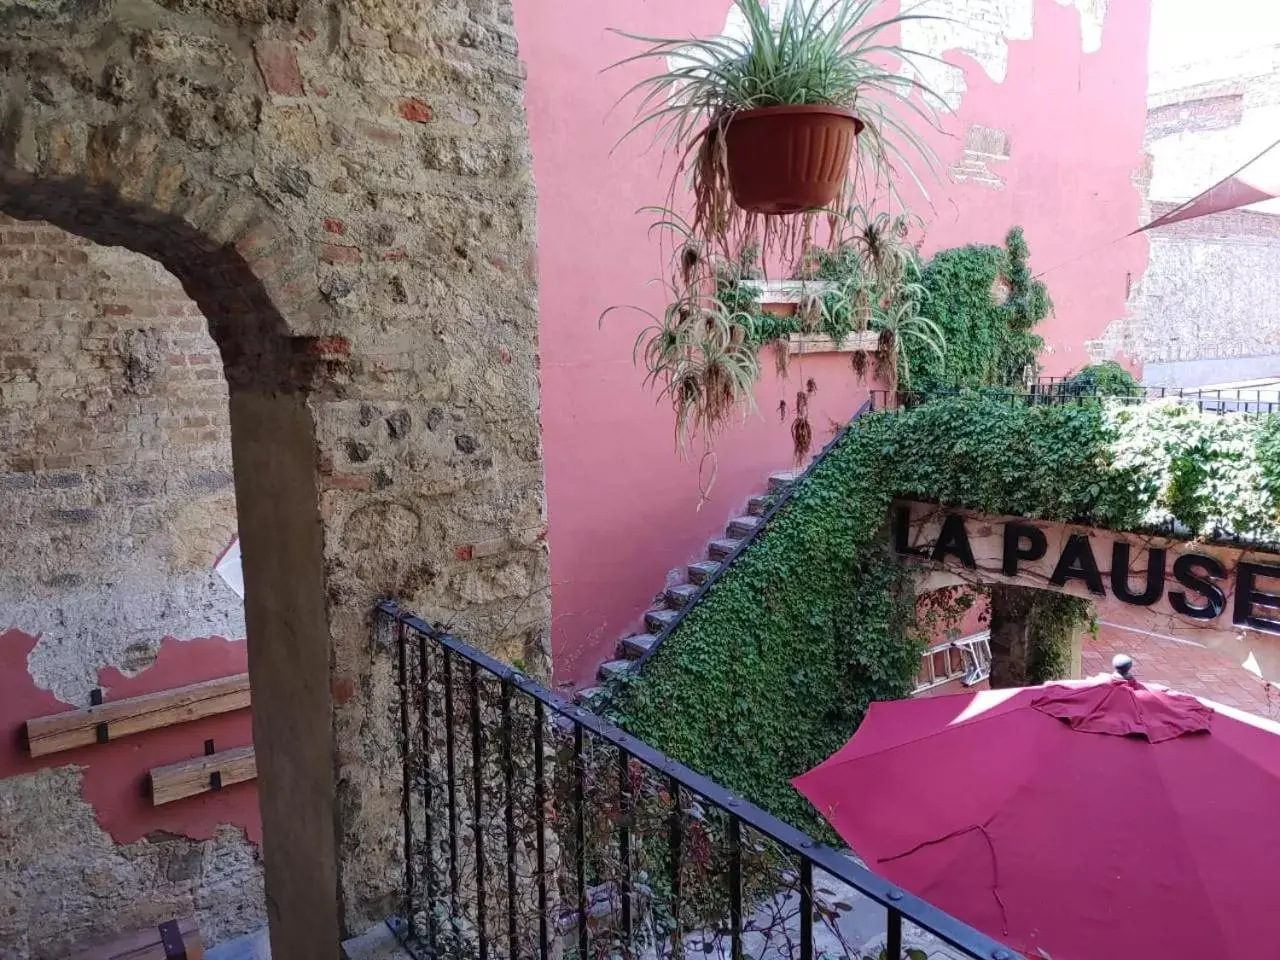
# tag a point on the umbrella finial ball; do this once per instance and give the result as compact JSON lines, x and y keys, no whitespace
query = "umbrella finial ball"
{"x":1122,"y":664}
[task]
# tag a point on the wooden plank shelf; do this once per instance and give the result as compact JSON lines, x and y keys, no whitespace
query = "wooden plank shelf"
{"x":188,"y":778}
{"x":122,"y":718}
{"x":182,"y":936}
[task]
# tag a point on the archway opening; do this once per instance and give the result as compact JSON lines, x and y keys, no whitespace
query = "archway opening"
{"x":139,"y":355}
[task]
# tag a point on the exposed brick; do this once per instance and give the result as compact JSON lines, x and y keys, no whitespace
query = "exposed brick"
{"x":349,"y":482}
{"x":334,"y":226}
{"x":278,"y":63}
{"x":415,"y":110}
{"x":336,"y":253}
{"x":343,"y":689}
{"x":374,"y":131}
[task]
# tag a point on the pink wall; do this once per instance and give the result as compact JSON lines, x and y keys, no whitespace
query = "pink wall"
{"x":114,"y":773}
{"x":623,"y":508}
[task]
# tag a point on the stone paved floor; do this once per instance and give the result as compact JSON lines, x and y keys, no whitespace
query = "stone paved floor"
{"x":1181,"y":666}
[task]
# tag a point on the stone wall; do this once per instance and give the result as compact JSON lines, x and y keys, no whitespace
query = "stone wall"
{"x":344,"y":188}
{"x":115,"y":459}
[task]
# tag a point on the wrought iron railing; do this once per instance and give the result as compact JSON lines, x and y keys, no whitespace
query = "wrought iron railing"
{"x":534,"y":828}
{"x":1063,"y":392}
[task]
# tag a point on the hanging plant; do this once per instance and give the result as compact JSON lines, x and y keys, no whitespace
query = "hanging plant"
{"x":701,"y":353}
{"x":764,"y":124}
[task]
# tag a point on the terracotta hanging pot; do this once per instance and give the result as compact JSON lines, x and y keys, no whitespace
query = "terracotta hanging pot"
{"x":789,"y":159}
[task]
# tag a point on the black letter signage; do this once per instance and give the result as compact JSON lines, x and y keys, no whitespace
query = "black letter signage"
{"x":1196,"y":572}
{"x":1014,"y":535}
{"x":954,"y":541}
{"x":1247,"y":596}
{"x":1120,"y":575}
{"x":902,"y":533}
{"x":1077,"y":563}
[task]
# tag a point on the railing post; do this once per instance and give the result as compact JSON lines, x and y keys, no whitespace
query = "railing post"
{"x":450,"y":749}
{"x":675,"y":830}
{"x":509,"y":785}
{"x":735,"y":886}
{"x":806,"y":908}
{"x":407,"y":773}
{"x":540,"y":823}
{"x":893,"y":932}
{"x":477,"y":812}
{"x":624,"y":843}
{"x":429,"y":859}
{"x":580,"y":824}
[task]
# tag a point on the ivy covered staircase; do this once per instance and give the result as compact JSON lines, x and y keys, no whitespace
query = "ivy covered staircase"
{"x":671,"y":604}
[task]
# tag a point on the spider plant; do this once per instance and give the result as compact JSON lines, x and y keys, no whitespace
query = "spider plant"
{"x":902,"y":328}
{"x":822,"y":52}
{"x":699,"y":355}
{"x":881,"y":245}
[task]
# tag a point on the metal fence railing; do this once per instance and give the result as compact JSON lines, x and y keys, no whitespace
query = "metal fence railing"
{"x":1063,"y":393}
{"x":534,"y":828}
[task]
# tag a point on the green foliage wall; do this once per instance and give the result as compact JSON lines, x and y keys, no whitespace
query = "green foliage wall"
{"x":989,"y":338}
{"x":773,"y":670}
{"x":981,"y":297}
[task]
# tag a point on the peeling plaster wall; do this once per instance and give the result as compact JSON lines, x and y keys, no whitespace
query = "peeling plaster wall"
{"x":116,"y":499}
{"x":64,"y":882}
{"x":115,"y":459}
{"x":982,"y":30}
{"x":1210,"y":291}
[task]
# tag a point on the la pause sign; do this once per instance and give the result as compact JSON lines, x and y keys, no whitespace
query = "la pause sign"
{"x":1195,"y":581}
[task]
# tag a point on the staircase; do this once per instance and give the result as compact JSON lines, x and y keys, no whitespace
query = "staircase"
{"x":672,"y":603}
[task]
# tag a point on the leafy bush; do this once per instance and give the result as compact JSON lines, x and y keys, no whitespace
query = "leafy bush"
{"x":772,"y":671}
{"x":1106,"y":379}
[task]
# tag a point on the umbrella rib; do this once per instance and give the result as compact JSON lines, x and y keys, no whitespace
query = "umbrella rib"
{"x":995,"y":864}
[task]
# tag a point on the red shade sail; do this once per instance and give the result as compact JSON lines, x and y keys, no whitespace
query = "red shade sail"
{"x":1256,"y":182}
{"x":1102,"y":820}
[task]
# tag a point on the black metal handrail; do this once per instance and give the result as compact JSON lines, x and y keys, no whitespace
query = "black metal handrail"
{"x":1066,"y":393}
{"x":508,"y":844}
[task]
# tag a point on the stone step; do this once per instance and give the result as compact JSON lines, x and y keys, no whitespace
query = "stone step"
{"x":702,"y":571}
{"x":742,"y":527}
{"x":658,"y":620}
{"x":779,"y":482}
{"x":587,"y":694}
{"x":757,"y":506}
{"x":614,"y":668}
{"x":719,"y":549}
{"x":634,"y":647}
{"x":679,"y":596}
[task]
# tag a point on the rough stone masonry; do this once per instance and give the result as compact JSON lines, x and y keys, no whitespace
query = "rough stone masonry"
{"x":343,"y":188}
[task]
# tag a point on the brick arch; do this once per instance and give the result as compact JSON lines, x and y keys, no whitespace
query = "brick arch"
{"x":253,"y":280}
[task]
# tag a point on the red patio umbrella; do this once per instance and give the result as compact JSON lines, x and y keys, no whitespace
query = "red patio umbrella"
{"x":1095,"y":820}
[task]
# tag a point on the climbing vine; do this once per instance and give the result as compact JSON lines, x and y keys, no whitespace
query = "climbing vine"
{"x":979,"y":300}
{"x":774,"y":668}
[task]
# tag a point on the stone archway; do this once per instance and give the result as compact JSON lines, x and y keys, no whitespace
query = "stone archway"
{"x":364,"y":252}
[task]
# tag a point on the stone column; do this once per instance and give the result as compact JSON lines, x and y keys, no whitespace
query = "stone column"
{"x":1010,"y":636}
{"x":345,"y":190}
